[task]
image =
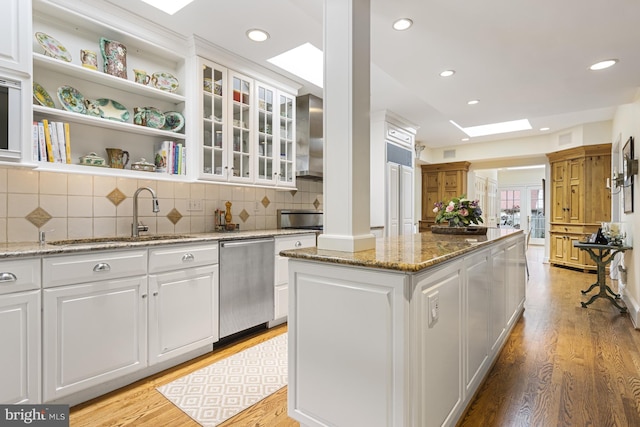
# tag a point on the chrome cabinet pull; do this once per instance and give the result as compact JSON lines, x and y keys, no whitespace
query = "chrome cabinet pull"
{"x":102,"y":266}
{"x":8,"y":277}
{"x":188,"y":257}
{"x":298,"y":244}
{"x":155,"y":294}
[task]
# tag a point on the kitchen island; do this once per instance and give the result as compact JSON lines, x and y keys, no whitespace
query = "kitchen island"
{"x":403,"y":334}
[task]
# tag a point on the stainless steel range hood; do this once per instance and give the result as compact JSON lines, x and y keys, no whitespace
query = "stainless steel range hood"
{"x":309,"y":140}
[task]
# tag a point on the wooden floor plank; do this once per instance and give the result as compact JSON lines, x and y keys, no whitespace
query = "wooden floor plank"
{"x":562,"y":365}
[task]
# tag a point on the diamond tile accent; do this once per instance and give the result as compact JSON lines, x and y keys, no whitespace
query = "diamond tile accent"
{"x":244,"y":215}
{"x":316,"y":203}
{"x":174,"y":216}
{"x":38,"y":217}
{"x":293,"y":192}
{"x":116,"y":197}
{"x":266,"y":202}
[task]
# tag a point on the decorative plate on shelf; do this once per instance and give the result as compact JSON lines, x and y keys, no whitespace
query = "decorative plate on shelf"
{"x":164,"y":81}
{"x":174,"y":121}
{"x":149,"y":117}
{"x":53,"y":47}
{"x":42,"y":96}
{"x":92,"y":108}
{"x":71,"y":99}
{"x":113,"y":110}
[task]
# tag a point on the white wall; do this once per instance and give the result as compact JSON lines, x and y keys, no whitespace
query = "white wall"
{"x":626,"y":123}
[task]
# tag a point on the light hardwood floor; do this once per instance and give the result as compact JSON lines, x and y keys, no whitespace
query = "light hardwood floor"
{"x":563,"y":365}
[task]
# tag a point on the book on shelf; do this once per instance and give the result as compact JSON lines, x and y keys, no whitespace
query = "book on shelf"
{"x":169,"y":157}
{"x":52,"y":143}
{"x":35,"y":150}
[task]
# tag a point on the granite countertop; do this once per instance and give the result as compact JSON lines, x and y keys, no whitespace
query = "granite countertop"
{"x":26,"y":249}
{"x":409,"y":253}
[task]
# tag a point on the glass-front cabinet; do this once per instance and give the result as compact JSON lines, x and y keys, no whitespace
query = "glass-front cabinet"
{"x":214,"y":119}
{"x":240,"y":169}
{"x":248,"y":129}
{"x":286,"y":139}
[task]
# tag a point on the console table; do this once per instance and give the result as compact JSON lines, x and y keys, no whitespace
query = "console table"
{"x":602,"y":255}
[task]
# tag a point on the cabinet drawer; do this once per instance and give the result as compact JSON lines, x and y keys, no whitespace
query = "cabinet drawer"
{"x":175,"y":257}
{"x":19,"y":275}
{"x":66,"y":270}
{"x":295,"y":242}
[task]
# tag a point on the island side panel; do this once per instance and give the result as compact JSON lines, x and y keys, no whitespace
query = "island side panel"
{"x":347,"y":357}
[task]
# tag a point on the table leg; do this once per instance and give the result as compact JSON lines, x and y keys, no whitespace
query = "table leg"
{"x":586,"y":291}
{"x":613,"y":301}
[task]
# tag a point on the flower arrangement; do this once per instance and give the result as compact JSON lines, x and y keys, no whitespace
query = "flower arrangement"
{"x":459,"y":211}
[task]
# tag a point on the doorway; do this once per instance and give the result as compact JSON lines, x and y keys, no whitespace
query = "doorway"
{"x":523,"y":208}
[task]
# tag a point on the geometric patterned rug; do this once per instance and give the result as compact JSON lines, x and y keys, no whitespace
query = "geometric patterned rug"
{"x":223,"y":389}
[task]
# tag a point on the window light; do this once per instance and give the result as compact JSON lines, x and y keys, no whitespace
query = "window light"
{"x":494,"y":128}
{"x":305,"y":61}
{"x":168,"y":6}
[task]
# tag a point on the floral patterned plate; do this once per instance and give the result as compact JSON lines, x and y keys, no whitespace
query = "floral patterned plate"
{"x":173,"y":121}
{"x":113,"y":110}
{"x":164,"y":81}
{"x":53,"y":47}
{"x":148,"y":116}
{"x":72,"y":100}
{"x":42,"y":96}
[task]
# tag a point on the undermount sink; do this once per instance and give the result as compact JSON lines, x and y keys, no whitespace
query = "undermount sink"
{"x":123,"y":239}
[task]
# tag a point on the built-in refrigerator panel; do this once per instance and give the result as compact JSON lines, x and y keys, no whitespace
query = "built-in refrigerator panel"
{"x":400,"y":197}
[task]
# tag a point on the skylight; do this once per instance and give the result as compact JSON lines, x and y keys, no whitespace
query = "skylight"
{"x":168,"y":6}
{"x":305,"y":61}
{"x":494,"y":128}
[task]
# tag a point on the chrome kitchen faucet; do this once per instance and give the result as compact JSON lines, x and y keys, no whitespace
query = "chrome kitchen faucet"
{"x":136,"y":228}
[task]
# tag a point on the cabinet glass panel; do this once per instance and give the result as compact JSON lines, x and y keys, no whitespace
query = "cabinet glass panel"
{"x":213,"y":128}
{"x":241,"y":144}
{"x":286,"y":133}
{"x":265,"y":134}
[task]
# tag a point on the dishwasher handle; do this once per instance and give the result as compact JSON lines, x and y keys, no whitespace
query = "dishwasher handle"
{"x":240,"y":243}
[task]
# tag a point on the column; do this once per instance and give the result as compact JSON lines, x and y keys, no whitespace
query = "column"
{"x":346,"y":126}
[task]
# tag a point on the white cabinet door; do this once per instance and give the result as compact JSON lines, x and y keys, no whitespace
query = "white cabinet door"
{"x":281,"y":271}
{"x":15,"y":35}
{"x":406,"y":200}
{"x":286,"y":140}
{"x":20,"y":348}
{"x":92,"y":333}
{"x":498,"y":317}
{"x":183,"y":311}
{"x":438,"y":321}
{"x":477,"y":311}
{"x":393,"y":199}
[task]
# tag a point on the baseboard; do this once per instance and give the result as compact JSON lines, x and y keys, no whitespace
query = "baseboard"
{"x":632,"y":307}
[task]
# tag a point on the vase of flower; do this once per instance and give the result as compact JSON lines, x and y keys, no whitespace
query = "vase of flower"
{"x":458,"y":216}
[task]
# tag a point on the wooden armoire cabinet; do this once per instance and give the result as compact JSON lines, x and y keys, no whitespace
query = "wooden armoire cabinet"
{"x":579,"y":199}
{"x":441,"y":182}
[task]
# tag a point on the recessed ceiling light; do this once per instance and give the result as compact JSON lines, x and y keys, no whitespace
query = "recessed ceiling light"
{"x":257,"y":35}
{"x":603,"y":64}
{"x":447,"y":73}
{"x":494,"y":128}
{"x":473,"y":102}
{"x":402,"y":24}
{"x":168,"y":6}
{"x":305,"y":61}
{"x":464,"y":139}
{"x":544,"y":129}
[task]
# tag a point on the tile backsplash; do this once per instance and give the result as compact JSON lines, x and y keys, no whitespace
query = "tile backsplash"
{"x":73,"y":206}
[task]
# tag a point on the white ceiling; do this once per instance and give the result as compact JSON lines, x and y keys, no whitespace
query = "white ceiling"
{"x":521,"y":59}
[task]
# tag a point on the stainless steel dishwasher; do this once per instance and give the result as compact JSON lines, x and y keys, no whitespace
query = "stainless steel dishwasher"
{"x":246,"y":284}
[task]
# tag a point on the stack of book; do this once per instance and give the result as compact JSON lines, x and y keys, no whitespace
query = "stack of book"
{"x":51,"y":142}
{"x":170,"y":157}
